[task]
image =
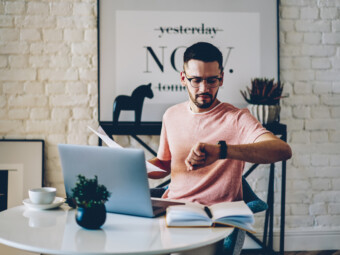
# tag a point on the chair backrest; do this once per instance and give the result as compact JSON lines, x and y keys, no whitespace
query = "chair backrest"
{"x":234,"y":242}
{"x":251,"y":199}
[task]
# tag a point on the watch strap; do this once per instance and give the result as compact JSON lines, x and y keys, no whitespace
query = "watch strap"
{"x":223,"y":149}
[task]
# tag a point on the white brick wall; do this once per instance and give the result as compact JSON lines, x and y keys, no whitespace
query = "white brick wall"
{"x":309,"y":48}
{"x":48,"y":90}
{"x":47,"y":75}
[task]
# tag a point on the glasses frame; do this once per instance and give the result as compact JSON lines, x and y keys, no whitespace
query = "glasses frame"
{"x":202,"y":79}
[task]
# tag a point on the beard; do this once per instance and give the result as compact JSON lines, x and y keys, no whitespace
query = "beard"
{"x":204,"y":103}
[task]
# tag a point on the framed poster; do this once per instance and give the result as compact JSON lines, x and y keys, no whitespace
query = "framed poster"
{"x":23,"y":162}
{"x":142,"y":42}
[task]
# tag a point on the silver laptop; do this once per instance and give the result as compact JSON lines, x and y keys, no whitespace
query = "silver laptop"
{"x":122,"y":171}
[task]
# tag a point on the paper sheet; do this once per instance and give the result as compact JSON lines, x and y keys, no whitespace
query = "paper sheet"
{"x":106,"y":139}
{"x":112,"y":144}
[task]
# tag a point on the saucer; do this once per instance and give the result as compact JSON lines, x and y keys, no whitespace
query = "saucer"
{"x":58,"y":201}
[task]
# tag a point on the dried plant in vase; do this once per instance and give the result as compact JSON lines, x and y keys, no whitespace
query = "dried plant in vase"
{"x":264,"y":99}
{"x":263,"y":91}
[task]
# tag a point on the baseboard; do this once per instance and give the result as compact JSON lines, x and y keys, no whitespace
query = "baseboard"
{"x":308,"y":240}
{"x":6,"y":250}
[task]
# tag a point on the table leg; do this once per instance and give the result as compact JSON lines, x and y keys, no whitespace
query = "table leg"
{"x":283,"y":208}
{"x":271,"y":221}
{"x":268,"y":224}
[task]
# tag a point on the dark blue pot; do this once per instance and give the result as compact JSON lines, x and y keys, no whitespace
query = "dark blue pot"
{"x":91,"y":218}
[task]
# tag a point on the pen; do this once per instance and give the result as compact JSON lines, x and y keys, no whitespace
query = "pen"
{"x":207,"y":210}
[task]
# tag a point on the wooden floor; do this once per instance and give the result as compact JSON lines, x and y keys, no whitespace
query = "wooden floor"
{"x":312,"y":253}
{"x":302,"y":253}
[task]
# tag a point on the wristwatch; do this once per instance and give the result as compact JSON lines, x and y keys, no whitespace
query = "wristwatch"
{"x":223,"y":149}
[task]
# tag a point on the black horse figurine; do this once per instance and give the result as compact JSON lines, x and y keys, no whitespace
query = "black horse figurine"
{"x":132,"y":103}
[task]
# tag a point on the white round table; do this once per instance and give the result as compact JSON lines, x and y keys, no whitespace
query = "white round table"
{"x":56,"y":232}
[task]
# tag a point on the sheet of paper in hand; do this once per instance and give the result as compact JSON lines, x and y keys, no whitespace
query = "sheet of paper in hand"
{"x":112,"y":144}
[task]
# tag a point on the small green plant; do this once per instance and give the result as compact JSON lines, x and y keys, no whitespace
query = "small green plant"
{"x":88,"y":193}
{"x":264,"y":91}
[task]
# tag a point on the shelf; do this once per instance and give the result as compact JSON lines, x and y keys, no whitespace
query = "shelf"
{"x":130,"y":128}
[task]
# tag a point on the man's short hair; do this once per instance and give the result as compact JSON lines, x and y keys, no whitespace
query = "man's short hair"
{"x":205,"y":52}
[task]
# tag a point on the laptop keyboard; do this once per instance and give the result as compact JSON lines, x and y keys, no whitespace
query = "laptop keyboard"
{"x":159,"y":206}
{"x":164,"y":203}
{"x":156,"y":208}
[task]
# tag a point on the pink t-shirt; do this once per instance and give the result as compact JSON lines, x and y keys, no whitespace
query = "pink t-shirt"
{"x":181,"y":129}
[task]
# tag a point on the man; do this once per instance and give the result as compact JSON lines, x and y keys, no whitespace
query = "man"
{"x":204,"y":143}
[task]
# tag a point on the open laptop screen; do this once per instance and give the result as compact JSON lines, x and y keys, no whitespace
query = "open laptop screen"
{"x":122,"y":171}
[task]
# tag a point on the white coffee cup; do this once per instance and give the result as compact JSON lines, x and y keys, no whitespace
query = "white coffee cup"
{"x":44,"y":195}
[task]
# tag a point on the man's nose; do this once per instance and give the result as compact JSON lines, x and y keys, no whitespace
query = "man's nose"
{"x":203,"y":86}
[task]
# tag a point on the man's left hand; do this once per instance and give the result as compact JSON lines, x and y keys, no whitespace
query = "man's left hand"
{"x":201,"y":155}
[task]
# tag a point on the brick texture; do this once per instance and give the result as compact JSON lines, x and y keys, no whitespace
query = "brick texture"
{"x":47,"y":76}
{"x":310,"y":65}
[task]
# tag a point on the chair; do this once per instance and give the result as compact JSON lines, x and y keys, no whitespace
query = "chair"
{"x":234,"y":242}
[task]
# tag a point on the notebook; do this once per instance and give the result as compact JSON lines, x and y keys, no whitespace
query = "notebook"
{"x":122,"y":171}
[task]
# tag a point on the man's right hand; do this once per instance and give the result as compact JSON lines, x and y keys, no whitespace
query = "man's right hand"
{"x":162,"y":164}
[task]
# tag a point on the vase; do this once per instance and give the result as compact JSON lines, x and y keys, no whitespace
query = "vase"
{"x":265,"y":114}
{"x":91,"y":217}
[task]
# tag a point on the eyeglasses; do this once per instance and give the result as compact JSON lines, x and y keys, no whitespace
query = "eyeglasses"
{"x":212,"y":82}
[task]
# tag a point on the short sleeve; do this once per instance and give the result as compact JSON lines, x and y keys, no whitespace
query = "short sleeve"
{"x":250,"y":127}
{"x":163,"y":149}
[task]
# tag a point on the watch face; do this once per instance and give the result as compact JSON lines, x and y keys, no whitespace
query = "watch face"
{"x":223,"y":149}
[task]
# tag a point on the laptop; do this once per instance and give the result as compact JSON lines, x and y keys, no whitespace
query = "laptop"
{"x":122,"y":171}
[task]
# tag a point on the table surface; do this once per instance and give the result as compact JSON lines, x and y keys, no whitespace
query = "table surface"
{"x":56,"y":232}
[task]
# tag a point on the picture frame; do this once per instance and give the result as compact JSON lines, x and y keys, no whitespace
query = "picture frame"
{"x":142,"y":42}
{"x":23,"y":159}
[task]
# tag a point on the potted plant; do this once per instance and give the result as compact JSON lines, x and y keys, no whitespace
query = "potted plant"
{"x":90,"y":198}
{"x":264,"y":99}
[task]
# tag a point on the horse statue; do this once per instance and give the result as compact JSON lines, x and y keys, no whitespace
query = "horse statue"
{"x":132,"y":103}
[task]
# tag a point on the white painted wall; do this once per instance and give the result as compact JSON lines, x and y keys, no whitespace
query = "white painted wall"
{"x":48,"y":90}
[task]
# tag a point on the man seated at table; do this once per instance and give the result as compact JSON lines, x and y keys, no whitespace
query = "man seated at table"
{"x":205,"y":143}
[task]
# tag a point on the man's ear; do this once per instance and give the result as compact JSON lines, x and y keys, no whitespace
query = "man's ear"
{"x":222,"y":75}
{"x":183,"y":79}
